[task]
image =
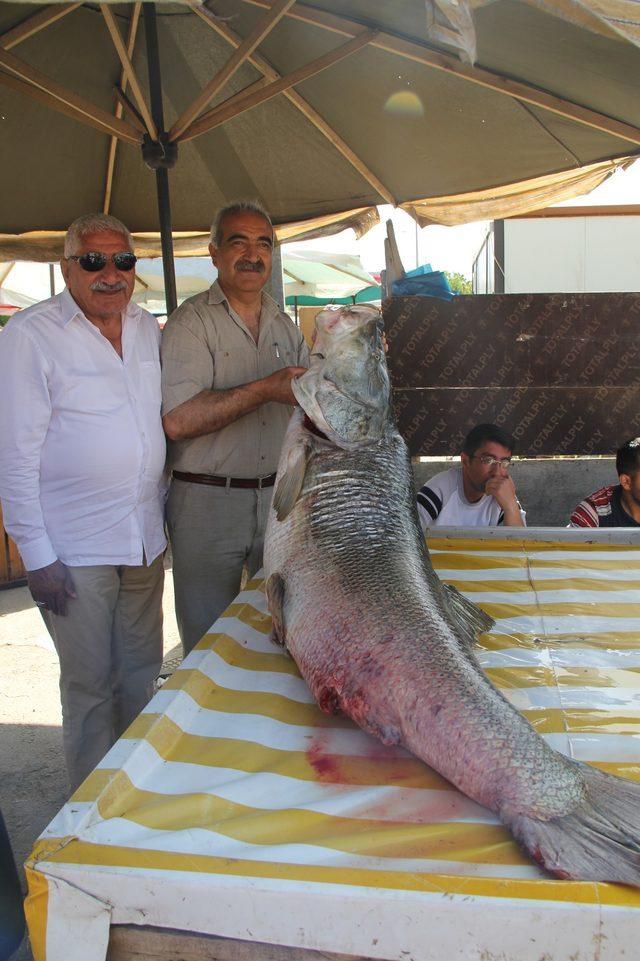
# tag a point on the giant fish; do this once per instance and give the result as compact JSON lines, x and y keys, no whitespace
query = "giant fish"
{"x":378,"y":637}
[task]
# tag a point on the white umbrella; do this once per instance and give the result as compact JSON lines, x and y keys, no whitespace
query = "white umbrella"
{"x":316,"y":274}
{"x":23,"y":283}
{"x":10,"y":298}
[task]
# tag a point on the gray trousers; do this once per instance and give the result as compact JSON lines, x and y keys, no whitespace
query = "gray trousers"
{"x":110,"y":649}
{"x":214,"y":533}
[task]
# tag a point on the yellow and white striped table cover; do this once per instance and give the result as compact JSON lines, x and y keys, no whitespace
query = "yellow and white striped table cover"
{"x":234,"y":806}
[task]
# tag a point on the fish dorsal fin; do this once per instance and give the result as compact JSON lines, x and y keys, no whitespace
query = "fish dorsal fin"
{"x":290,"y":481}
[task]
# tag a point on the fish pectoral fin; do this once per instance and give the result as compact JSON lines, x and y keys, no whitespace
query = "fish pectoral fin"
{"x":290,"y":481}
{"x":274,"y":588}
{"x":469,"y":620}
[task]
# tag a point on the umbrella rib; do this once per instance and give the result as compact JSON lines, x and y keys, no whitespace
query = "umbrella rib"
{"x":127,"y":69}
{"x":241,"y":94}
{"x":119,"y":110}
{"x":135,"y":117}
{"x":116,"y":128}
{"x":63,"y":100}
{"x":419,"y":53}
{"x":36,"y":23}
{"x":220,"y":115}
{"x":302,"y":105}
{"x":527,"y":109}
{"x":350,"y":155}
{"x":276,"y":11}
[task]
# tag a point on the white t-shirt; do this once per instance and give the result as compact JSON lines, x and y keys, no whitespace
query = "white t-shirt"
{"x":442,"y":503}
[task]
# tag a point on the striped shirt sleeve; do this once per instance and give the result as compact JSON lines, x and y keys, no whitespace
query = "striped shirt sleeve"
{"x":584,"y":515}
{"x":429,"y":505}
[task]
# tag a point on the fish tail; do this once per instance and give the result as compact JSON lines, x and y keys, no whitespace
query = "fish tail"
{"x":598,"y":841}
{"x":468,"y":619}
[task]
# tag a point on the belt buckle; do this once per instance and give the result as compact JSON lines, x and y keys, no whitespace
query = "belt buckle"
{"x":259,"y":483}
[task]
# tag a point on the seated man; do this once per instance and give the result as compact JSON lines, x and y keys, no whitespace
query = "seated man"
{"x":619,"y":504}
{"x":480,"y":492}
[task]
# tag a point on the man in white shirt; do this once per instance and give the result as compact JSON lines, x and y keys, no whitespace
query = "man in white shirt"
{"x":479,"y":493}
{"x":82,"y":455}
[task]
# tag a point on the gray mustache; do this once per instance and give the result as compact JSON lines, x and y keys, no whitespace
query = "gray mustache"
{"x":100,"y":285}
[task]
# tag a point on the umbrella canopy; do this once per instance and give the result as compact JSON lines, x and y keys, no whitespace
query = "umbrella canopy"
{"x":315,"y":110}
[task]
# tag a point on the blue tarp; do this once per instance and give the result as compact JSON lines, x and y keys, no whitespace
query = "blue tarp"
{"x":423,"y":282}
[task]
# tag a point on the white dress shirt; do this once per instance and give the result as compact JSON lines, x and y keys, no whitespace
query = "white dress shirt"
{"x":82,"y":450}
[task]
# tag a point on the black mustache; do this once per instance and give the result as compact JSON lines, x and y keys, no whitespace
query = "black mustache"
{"x":258,"y":267}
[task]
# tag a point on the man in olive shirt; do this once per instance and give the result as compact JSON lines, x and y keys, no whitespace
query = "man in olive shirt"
{"x":228,"y":357}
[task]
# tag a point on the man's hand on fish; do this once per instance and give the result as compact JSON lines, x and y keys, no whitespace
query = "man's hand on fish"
{"x":277,"y":386}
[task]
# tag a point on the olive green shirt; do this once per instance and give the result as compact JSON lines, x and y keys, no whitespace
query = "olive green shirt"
{"x":206,"y":346}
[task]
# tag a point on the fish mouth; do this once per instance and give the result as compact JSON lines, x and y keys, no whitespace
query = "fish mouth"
{"x":316,"y":420}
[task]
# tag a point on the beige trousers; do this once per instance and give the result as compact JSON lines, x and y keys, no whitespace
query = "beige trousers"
{"x":110,"y":649}
{"x":215,"y":532}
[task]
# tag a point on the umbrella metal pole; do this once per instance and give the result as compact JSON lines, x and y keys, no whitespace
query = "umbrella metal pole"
{"x":166,"y":240}
{"x":275,"y":284}
{"x":162,"y":173}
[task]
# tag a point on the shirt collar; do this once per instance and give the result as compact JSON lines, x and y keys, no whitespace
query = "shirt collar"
{"x":69,"y":309}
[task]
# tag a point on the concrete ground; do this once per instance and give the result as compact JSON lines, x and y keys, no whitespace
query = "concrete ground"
{"x":33,"y":781}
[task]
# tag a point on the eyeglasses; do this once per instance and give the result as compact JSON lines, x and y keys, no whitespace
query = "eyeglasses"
{"x":93,"y":261}
{"x":488,"y":460}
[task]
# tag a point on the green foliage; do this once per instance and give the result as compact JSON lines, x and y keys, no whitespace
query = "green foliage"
{"x":458,"y":283}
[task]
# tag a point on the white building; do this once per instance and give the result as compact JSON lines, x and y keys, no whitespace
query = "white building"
{"x":561,"y":250}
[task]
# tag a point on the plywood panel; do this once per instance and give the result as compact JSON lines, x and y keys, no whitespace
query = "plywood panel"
{"x":561,"y":371}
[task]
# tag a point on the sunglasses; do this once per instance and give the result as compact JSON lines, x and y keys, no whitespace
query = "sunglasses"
{"x":93,"y":261}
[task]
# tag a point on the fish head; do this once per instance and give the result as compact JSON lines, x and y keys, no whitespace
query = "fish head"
{"x":346,"y":390}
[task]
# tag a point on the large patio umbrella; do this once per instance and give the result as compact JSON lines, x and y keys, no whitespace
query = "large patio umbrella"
{"x":317,"y":110}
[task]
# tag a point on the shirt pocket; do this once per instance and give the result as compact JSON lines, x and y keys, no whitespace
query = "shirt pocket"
{"x":148,"y":384}
{"x":276,"y":355}
{"x":85,"y":392}
{"x":234,"y":366}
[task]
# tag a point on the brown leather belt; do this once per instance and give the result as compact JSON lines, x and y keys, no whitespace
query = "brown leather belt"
{"x":214,"y":481}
